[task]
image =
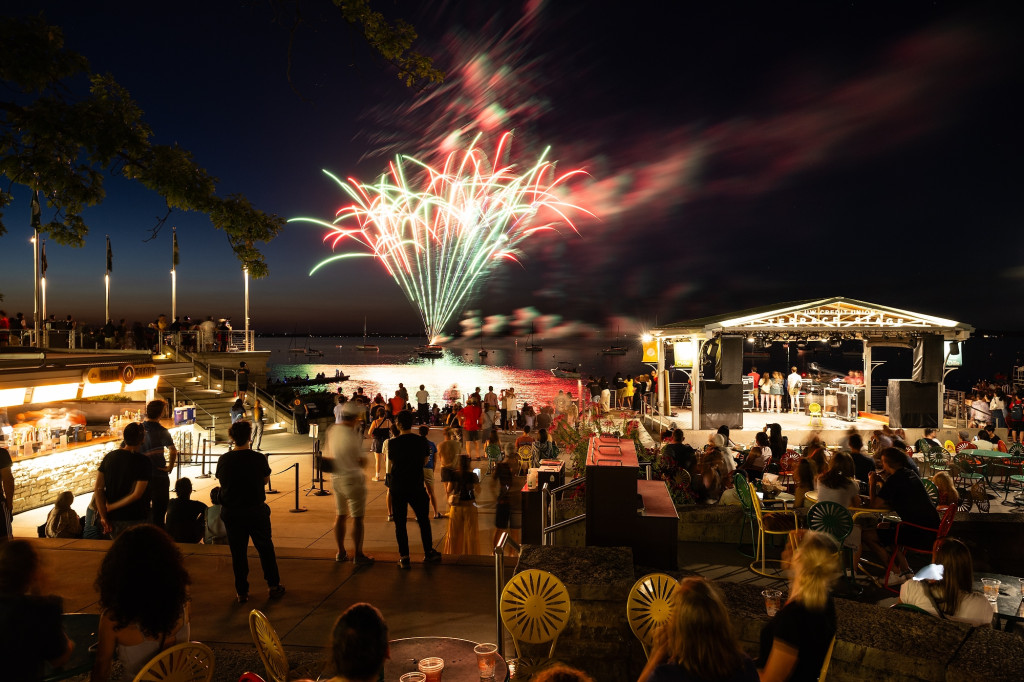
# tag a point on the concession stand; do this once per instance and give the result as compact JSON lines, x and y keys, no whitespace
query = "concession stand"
{"x":711,"y":351}
{"x":61,"y":412}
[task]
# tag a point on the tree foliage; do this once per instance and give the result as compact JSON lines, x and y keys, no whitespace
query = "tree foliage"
{"x":64,"y":128}
{"x":392,"y":41}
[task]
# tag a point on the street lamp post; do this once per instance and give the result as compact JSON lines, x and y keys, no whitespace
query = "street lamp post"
{"x":245,"y":270}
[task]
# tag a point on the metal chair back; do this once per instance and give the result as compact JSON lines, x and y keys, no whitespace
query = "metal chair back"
{"x":649,"y":605}
{"x":187,"y":662}
{"x":933,"y":492}
{"x":534,"y":607}
{"x":268,"y":646}
{"x":832,"y":518}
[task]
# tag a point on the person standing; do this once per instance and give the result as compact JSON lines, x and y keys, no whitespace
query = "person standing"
{"x":121,"y":483}
{"x":157,"y":438}
{"x":756,"y":390}
{"x":470,"y":417}
{"x":397,"y":403}
{"x":243,"y":473}
{"x":257,"y":424}
{"x":407,"y":454}
{"x":510,"y":417}
{"x":491,"y":398}
{"x":243,"y":381}
{"x":345,"y":460}
{"x":794,"y":380}
{"x":423,"y":406}
{"x":6,"y":494}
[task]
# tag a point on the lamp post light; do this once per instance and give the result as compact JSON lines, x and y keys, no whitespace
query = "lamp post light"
{"x":245,"y":270}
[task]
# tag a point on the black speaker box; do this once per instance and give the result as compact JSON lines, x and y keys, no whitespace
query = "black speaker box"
{"x":928,"y":359}
{"x":729,"y":360}
{"x":721,"y":404}
{"x":913,"y":404}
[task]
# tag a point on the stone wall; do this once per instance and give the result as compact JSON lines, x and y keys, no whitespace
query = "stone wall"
{"x":38,"y":481}
{"x":873,"y":643}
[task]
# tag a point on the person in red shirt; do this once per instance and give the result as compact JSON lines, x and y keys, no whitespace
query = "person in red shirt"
{"x":965,"y":442}
{"x":397,"y":403}
{"x":469,"y":417}
{"x":525,"y":439}
{"x":756,"y":376}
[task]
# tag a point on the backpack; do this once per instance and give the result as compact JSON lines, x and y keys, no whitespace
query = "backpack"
{"x":383,"y":432}
{"x":1017,"y":411}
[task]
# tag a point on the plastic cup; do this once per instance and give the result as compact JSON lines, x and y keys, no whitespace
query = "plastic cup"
{"x":413,"y":677}
{"x":485,"y":655}
{"x":991,"y":588}
{"x":772,"y":601}
{"x":432,"y":668}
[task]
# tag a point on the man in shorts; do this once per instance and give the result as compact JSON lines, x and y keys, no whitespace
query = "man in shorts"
{"x":470,"y":418}
{"x":344,"y":459}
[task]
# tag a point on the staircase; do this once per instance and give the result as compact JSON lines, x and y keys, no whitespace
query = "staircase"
{"x":210,"y":404}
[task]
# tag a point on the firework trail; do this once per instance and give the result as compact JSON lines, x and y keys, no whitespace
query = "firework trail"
{"x":440,"y":232}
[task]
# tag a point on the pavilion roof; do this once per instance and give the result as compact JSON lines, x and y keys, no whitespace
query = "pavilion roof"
{"x":824,"y":316}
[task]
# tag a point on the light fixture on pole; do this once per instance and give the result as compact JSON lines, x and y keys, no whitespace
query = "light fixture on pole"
{"x":245,"y":270}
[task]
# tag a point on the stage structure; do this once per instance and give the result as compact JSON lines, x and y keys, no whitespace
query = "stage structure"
{"x":718,"y":342}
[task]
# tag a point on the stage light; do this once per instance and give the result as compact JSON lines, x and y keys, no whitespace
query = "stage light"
{"x":10,"y":397}
{"x":54,"y":393}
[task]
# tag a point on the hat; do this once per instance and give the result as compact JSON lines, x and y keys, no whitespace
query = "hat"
{"x":351,"y":410}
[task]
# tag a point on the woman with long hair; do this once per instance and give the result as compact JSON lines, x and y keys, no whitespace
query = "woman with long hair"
{"x":697,"y":642}
{"x":257,"y":424}
{"x":951,"y":597}
{"x":947,"y":491}
{"x":63,"y":521}
{"x":777,"y":388}
{"x":794,"y":643}
{"x":543,"y":447}
{"x":381,"y":428}
{"x":30,"y":622}
{"x":766,"y":392}
{"x":143,"y":588}
{"x":462,"y":486}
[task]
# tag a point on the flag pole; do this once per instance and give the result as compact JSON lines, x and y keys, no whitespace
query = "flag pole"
{"x":35,"y":287}
{"x":42,"y":295}
{"x":106,"y":283}
{"x":174,"y":274}
{"x":246,"y":271}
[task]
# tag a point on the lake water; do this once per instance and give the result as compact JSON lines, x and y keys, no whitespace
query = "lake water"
{"x":506,"y":365}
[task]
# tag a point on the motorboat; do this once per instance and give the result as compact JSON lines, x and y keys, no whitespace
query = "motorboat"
{"x":566,"y":370}
{"x":615,"y":350}
{"x":430,"y":351}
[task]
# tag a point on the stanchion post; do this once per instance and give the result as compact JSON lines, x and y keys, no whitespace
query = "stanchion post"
{"x":297,"y":509}
{"x":202,"y":458}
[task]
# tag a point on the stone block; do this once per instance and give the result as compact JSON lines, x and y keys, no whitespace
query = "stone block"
{"x":988,"y":655}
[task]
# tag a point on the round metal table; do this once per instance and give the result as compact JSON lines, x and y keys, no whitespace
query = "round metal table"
{"x":459,"y":659}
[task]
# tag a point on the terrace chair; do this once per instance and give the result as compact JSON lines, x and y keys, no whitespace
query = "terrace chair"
{"x":1015,"y":462}
{"x":743,"y":492}
{"x":945,"y":523}
{"x":493,"y":454}
{"x":187,"y":662}
{"x":949,"y":447}
{"x":814,"y":409}
{"x":828,"y":659}
{"x":649,"y":605}
{"x":933,"y":492}
{"x":935,"y":457}
{"x":836,"y":520}
{"x":525,"y":455}
{"x":970,"y":479}
{"x":268,"y":646}
{"x":534,"y":607}
{"x":781,"y":522}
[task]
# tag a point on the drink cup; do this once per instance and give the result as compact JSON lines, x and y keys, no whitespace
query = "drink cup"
{"x":772,"y":601}
{"x":413,"y":677}
{"x":485,"y":655}
{"x":432,"y":668}
{"x":991,"y":588}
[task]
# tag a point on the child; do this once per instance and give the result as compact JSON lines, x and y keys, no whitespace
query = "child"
{"x":947,"y":492}
{"x":63,"y":521}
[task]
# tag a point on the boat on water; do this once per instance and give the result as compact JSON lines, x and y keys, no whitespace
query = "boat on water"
{"x":430,"y":351}
{"x":531,"y":347}
{"x":566,"y":370}
{"x":615,"y":350}
{"x":306,"y":350}
{"x":313,"y":353}
{"x":368,"y":347}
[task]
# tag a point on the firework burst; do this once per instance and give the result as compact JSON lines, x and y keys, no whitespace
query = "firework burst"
{"x":439,"y":232}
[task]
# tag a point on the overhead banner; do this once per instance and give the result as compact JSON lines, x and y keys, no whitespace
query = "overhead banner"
{"x":651,"y":350}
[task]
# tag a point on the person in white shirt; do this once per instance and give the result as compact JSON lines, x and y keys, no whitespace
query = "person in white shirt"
{"x":344,"y":459}
{"x":952,"y":597}
{"x":793,"y":381}
{"x":423,"y":406}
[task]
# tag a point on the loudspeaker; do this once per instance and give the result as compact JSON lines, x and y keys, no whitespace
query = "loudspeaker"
{"x":721,"y":404}
{"x":913,"y":404}
{"x":928,"y":359}
{"x":729,"y":360}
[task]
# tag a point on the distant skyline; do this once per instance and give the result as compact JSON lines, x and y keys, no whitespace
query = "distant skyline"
{"x":737,"y":156}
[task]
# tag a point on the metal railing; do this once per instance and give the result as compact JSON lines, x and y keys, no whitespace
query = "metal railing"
{"x":955,"y":407}
{"x":548,"y":526}
{"x":499,"y":584}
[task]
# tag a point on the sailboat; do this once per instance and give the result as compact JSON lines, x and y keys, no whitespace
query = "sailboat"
{"x":615,"y":350}
{"x":482,"y":352}
{"x":530,"y":346}
{"x":366,"y":346}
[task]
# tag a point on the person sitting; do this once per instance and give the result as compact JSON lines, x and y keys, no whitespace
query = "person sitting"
{"x":965,"y":442}
{"x":186,"y":518}
{"x":712,"y":471}
{"x":143,"y":588}
{"x":805,"y":475}
{"x":904,"y":493}
{"x":677,"y":454}
{"x":988,"y":439}
{"x":30,"y":622}
{"x":697,"y":642}
{"x":559,"y":672}
{"x":359,"y":645}
{"x":543,"y":448}
{"x":947,"y":491}
{"x":215,"y":533}
{"x":839,"y":485}
{"x":758,"y":458}
{"x":928,"y":443}
{"x":525,"y":439}
{"x":63,"y":521}
{"x":795,"y":642}
{"x":862,"y":464}
{"x":237,"y":411}
{"x":951,"y":597}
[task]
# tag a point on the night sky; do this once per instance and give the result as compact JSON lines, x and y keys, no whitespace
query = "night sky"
{"x":739,"y":154}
